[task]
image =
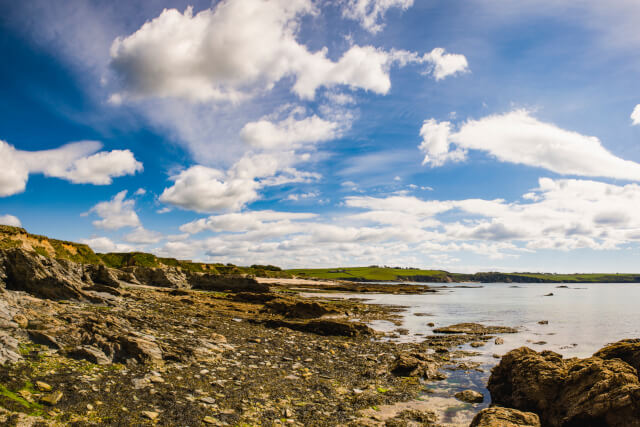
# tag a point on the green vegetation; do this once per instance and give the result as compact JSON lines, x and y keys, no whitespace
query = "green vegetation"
{"x":373,"y":273}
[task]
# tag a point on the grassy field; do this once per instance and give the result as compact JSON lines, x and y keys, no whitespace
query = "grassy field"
{"x":380,"y":274}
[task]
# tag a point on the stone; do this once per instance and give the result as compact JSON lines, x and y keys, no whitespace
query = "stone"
{"x":498,"y":341}
{"x":543,"y":322}
{"x":42,"y":386}
{"x":90,"y":354}
{"x":475,"y":329}
{"x":416,"y":365}
{"x":144,"y":350}
{"x":477,"y":344}
{"x":626,"y":350}
{"x":9,"y":349}
{"x":152,"y":415}
{"x":210,"y":420}
{"x":43,"y":338}
{"x":21,"y":321}
{"x":469,"y":396}
{"x":298,"y":309}
{"x":52,"y":398}
{"x":569,"y":392}
{"x":505,"y":417}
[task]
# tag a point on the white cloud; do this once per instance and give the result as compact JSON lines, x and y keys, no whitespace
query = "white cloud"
{"x":10,"y":220}
{"x":370,"y":12}
{"x":635,"y":115}
{"x":140,"y":192}
{"x":116,"y":213}
{"x":435,"y":144}
{"x":288,"y":133}
{"x":104,"y":244}
{"x":141,"y":235}
{"x":245,"y":46}
{"x":75,"y":162}
{"x":247,"y":221}
{"x":446,"y":64}
{"x":302,"y":196}
{"x":517,"y":137}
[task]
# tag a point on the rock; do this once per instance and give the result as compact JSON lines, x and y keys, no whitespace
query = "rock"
{"x":218,"y":339}
{"x":41,"y":276}
{"x":477,"y":344}
{"x":572,"y":392}
{"x":91,"y":354}
{"x":150,"y":414}
{"x":42,"y":386}
{"x":298,"y":309}
{"x":21,"y":321}
{"x":325,"y":327}
{"x":416,"y":365}
{"x":498,"y":341}
{"x":42,"y":338}
{"x":504,"y":417}
{"x":103,"y":275}
{"x":550,"y":294}
{"x":169,"y":277}
{"x":543,"y":322}
{"x":141,"y":349}
{"x":210,"y":420}
{"x":626,"y":350}
{"x":431,"y":324}
{"x":475,"y":329}
{"x":212,"y":282}
{"x":52,"y":398}
{"x":469,"y":396}
{"x":9,"y":350}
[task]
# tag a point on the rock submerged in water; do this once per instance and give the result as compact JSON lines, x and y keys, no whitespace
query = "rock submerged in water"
{"x":475,"y":329}
{"x":505,"y":417}
{"x":469,"y":396}
{"x":570,"y":392}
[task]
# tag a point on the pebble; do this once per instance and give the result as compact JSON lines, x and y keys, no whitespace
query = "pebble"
{"x":43,"y":386}
{"x":52,"y":398}
{"x":150,"y":414}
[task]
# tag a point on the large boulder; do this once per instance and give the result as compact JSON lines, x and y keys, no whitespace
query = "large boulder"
{"x":567,"y":392}
{"x":213,"y":282}
{"x":416,"y":365}
{"x":505,"y":417}
{"x":22,"y":270}
{"x":626,"y":350}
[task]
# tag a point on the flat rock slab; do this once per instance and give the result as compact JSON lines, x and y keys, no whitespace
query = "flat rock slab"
{"x":475,"y":329}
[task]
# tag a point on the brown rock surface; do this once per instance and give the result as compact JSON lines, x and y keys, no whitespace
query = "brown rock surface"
{"x":505,"y":417}
{"x":626,"y":350}
{"x":416,"y":365}
{"x":567,"y":392}
{"x":475,"y":329}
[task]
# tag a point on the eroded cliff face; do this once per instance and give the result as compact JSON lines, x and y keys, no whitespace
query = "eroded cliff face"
{"x":603,"y":390}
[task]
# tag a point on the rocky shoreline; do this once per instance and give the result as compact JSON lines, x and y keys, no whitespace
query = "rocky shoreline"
{"x":85,"y":344}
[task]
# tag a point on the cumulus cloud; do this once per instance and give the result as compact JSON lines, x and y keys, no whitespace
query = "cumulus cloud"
{"x":116,"y":213}
{"x":10,"y":220}
{"x":446,"y":64}
{"x":104,"y":244}
{"x":517,"y":137}
{"x":244,"y":46}
{"x":635,"y":115}
{"x":205,"y":189}
{"x":565,"y":214}
{"x":370,"y":13}
{"x":75,"y":162}
{"x":143,"y":236}
{"x":288,"y":133}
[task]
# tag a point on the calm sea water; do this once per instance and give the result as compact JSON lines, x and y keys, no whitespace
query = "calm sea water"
{"x":581,"y":320}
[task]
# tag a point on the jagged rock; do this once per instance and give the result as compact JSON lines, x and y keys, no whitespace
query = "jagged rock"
{"x":212,"y":282}
{"x":162,"y":277}
{"x":626,"y":350}
{"x":139,"y":348}
{"x":475,"y":329}
{"x":416,"y":365}
{"x":469,"y":396}
{"x":505,"y":417}
{"x":572,"y":392}
{"x":103,"y":275}
{"x":8,"y":348}
{"x":325,"y":327}
{"x":298,"y":309}
{"x":43,"y":338}
{"x":91,"y":354}
{"x":41,"y":276}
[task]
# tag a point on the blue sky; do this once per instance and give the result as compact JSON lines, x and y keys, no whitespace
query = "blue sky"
{"x":466,"y":135}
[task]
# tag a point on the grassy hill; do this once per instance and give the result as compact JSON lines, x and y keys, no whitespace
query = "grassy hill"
{"x":378,"y":274}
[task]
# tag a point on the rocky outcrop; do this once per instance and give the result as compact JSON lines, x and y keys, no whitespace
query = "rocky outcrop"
{"x":43,"y":277}
{"x":298,"y":309}
{"x":161,"y":277}
{"x":324,"y":327}
{"x":212,"y":282}
{"x":103,"y":275}
{"x":416,"y":365}
{"x":625,"y":350}
{"x":568,"y":392}
{"x":505,"y":417}
{"x":475,"y":329}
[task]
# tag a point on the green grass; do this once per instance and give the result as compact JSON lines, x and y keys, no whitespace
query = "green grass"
{"x":381,"y":274}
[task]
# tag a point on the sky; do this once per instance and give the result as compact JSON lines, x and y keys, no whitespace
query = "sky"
{"x":465,"y":135}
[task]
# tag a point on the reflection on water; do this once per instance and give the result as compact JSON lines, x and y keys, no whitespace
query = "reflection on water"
{"x":581,"y":319}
